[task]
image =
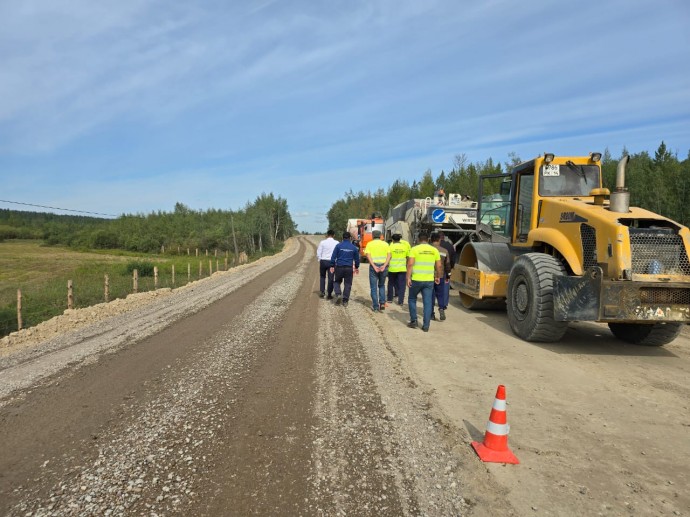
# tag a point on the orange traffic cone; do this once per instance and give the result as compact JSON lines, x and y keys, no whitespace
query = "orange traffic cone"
{"x":495,"y":447}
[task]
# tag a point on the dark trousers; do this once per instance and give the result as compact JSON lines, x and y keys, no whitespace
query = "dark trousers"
{"x":343,"y":273}
{"x":396,"y":285}
{"x":426,"y":289}
{"x":325,"y":269}
{"x":377,"y":283}
{"x":440,"y":295}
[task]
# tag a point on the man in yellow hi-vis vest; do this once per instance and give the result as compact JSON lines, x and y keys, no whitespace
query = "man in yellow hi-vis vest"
{"x":379,"y":255}
{"x":424,"y":269}
{"x":397,"y":269}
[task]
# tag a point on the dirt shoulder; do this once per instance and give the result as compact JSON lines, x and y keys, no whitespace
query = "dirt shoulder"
{"x":599,"y":427}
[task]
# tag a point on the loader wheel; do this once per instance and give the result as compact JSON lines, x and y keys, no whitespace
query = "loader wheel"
{"x":657,"y":334}
{"x":530,"y":298}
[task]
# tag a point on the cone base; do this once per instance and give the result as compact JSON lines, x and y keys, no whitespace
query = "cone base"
{"x":491,"y":456}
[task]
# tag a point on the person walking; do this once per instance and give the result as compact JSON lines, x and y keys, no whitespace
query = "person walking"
{"x":452,"y":254}
{"x":440,"y":288}
{"x":378,"y":254}
{"x":424,"y":269}
{"x":344,"y":263}
{"x":324,"y":251}
{"x":397,"y":269}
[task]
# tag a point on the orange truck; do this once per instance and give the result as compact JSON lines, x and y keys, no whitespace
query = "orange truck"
{"x":362,"y":230}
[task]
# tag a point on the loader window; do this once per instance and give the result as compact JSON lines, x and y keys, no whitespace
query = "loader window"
{"x":524,"y":208}
{"x":568,"y":179}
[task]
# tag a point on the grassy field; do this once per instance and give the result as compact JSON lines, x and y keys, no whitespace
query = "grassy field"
{"x":42,"y":272}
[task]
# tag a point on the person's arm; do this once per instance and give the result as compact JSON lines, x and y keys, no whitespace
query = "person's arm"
{"x":371,"y":262}
{"x":356,"y":261}
{"x":333,"y":257}
{"x":319,"y":249}
{"x":388,"y":260}
{"x":410,"y":265}
{"x":439,"y":271}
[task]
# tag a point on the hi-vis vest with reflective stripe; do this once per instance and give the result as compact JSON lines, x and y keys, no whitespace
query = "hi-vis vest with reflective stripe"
{"x":378,"y":250}
{"x":398,"y":261}
{"x":425,"y":257}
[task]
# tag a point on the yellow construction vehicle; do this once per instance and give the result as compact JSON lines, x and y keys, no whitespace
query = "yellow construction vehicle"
{"x":566,"y":249}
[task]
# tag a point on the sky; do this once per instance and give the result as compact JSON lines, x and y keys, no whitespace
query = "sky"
{"x":130,"y":106}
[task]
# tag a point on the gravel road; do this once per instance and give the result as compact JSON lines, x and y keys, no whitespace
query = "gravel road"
{"x":245,"y":394}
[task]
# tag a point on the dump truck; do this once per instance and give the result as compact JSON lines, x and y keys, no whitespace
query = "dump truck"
{"x":561,"y":248}
{"x":454,"y":214}
{"x":361,"y":230}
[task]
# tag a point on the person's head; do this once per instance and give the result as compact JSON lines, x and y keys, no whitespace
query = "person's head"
{"x":397,"y":237}
{"x":423,"y":237}
{"x":330,"y":232}
{"x":434,"y":238}
{"x":441,"y":236}
{"x":376,"y":234}
{"x":346,"y":236}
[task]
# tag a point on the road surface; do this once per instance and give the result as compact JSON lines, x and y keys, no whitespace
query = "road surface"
{"x":249,"y":395}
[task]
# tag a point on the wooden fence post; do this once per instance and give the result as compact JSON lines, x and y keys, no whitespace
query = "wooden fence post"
{"x":207,"y":252}
{"x":215,"y":252}
{"x":210,"y":268}
{"x":226,"y":263}
{"x":106,"y":289}
{"x":155,"y":277}
{"x":199,"y":269}
{"x":217,"y":269}
{"x":189,"y":272}
{"x":135,"y":281}
{"x":19,"y":309}
{"x":173,"y":274}
{"x":70,"y":295}
{"x":197,"y":251}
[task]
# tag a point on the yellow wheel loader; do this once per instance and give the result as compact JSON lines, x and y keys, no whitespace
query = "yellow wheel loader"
{"x":557,"y":247}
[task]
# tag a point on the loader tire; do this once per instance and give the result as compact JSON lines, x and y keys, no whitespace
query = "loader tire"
{"x":658,"y":334}
{"x":530,"y":298}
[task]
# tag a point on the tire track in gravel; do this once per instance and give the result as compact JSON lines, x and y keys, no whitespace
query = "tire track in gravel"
{"x":89,"y":452}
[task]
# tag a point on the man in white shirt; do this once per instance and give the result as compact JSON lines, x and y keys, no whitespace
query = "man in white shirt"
{"x":323,"y":253}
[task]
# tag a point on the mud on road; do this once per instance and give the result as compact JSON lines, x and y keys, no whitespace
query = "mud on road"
{"x":247,"y":394}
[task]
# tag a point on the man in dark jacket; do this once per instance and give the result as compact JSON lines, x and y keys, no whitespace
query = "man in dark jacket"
{"x":344,"y":262}
{"x":452,"y":254}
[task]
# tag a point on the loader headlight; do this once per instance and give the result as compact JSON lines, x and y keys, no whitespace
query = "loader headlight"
{"x":595,"y":157}
{"x":548,"y":157}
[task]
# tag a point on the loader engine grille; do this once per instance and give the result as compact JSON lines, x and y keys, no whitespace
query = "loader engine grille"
{"x":658,"y":251}
{"x":589,"y":245}
{"x":662,"y":296}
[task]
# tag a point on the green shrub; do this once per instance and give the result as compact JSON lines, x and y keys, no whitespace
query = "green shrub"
{"x":144,"y":268}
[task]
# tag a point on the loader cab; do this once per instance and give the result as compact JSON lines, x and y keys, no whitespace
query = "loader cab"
{"x":548,"y":177}
{"x":494,"y":208}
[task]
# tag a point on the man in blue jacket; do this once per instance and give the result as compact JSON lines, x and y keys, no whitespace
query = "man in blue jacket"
{"x":344,"y":262}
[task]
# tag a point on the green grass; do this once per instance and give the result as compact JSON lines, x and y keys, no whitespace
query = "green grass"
{"x":42,"y":272}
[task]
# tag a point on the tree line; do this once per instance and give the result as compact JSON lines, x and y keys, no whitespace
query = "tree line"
{"x":659,"y":183}
{"x":260,"y":226}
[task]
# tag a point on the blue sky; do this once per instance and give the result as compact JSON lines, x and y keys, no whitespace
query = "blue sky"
{"x":129,"y":106}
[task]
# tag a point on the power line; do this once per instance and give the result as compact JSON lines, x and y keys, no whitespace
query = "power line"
{"x":56,"y":208}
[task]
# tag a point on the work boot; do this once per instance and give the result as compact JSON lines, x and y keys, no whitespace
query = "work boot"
{"x":344,"y":303}
{"x":442,"y":314}
{"x":322,"y":294}
{"x":338,"y":300}
{"x":433,"y":316}
{"x":329,"y":297}
{"x":425,"y":329}
{"x":412,"y":324}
